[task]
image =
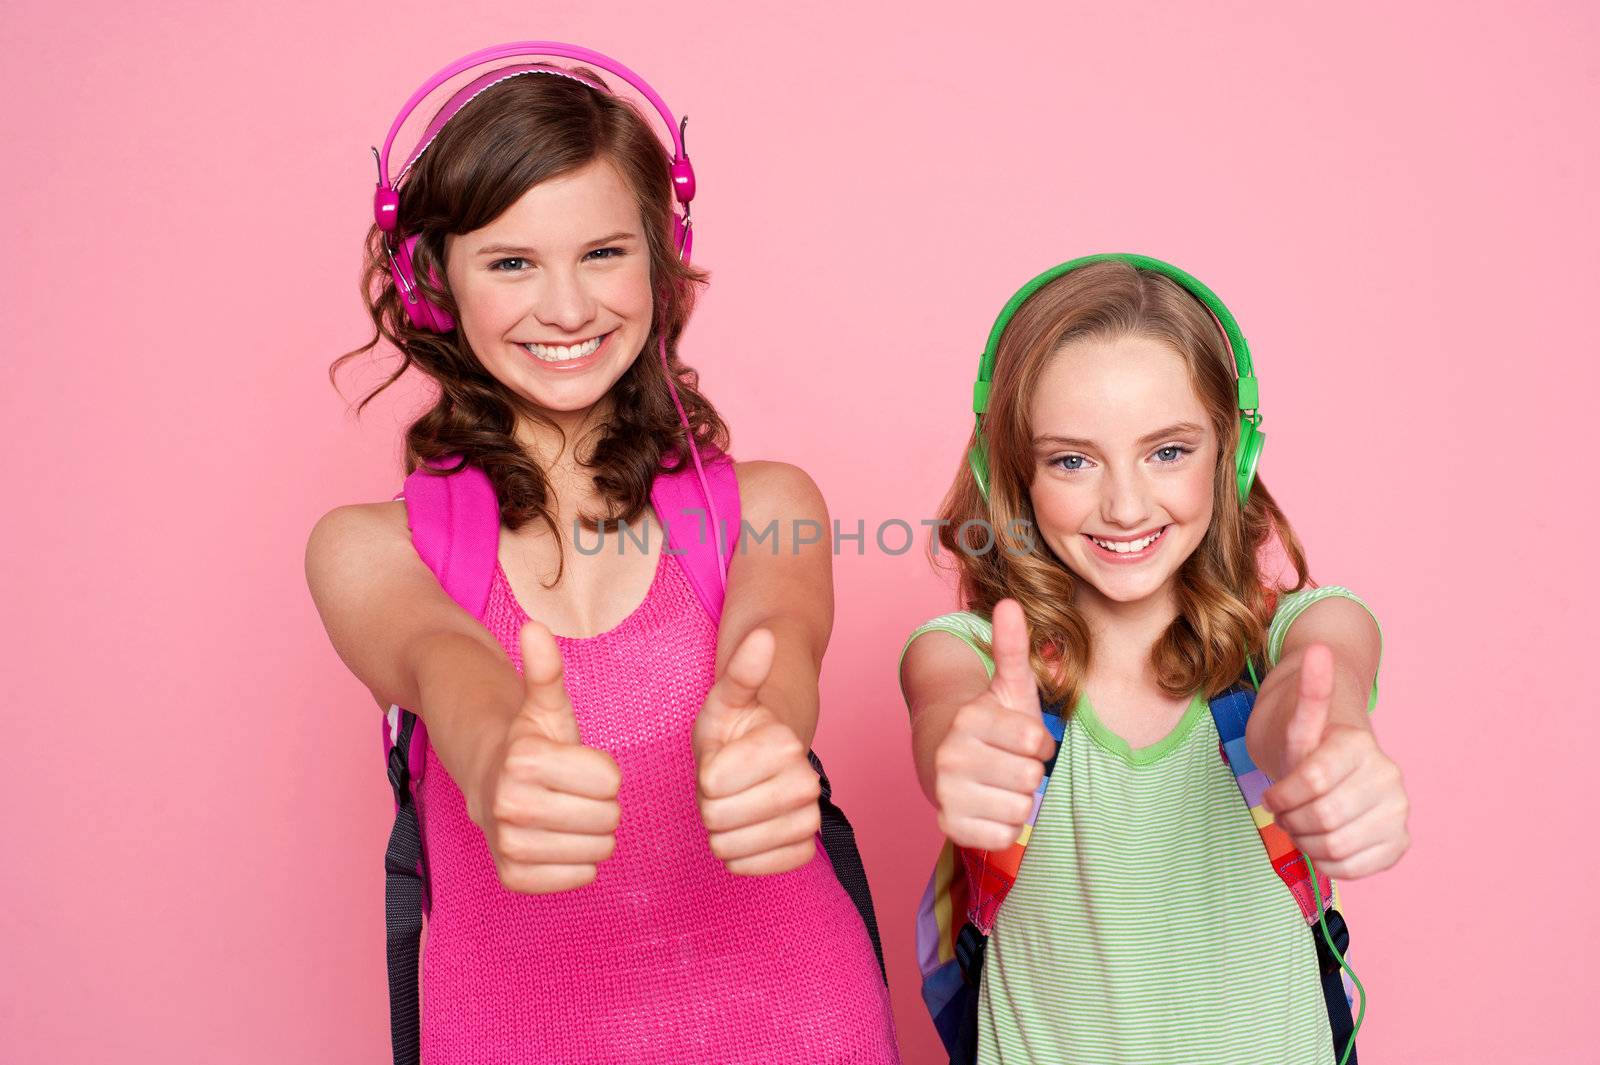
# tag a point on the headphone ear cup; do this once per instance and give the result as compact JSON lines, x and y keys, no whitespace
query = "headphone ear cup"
{"x":1251,"y":440}
{"x":978,"y":462}
{"x":682,"y":236}
{"x":423,"y":314}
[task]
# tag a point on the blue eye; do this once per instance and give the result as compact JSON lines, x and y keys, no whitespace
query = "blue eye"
{"x":1172,"y":452}
{"x":606,"y":253}
{"x":501,"y":265}
{"x":1070,"y":463}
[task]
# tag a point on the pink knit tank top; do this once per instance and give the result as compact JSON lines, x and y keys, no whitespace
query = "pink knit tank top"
{"x":666,"y":957}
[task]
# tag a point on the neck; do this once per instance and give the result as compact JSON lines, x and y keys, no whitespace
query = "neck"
{"x":1124,"y":633}
{"x":556,"y":445}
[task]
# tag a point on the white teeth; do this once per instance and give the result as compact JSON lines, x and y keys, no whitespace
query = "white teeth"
{"x":1128,"y":547}
{"x":562,"y":353}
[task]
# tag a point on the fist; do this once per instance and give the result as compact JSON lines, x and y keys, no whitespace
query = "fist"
{"x":757,"y":790}
{"x":1341,"y":798}
{"x":991,"y":761}
{"x":549,"y":809}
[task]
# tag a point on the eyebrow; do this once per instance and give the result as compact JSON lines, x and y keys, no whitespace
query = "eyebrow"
{"x":517,"y":249}
{"x":1177,"y":429}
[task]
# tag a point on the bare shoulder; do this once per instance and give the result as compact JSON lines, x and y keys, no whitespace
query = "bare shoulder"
{"x":344,"y":527}
{"x":1345,"y":624}
{"x":770,"y":489}
{"x":938,"y":662}
{"x":354,"y":536}
{"x":1336,"y":614}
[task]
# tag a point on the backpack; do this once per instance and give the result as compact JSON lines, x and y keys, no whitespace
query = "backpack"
{"x":455,"y":527}
{"x":964,"y":894}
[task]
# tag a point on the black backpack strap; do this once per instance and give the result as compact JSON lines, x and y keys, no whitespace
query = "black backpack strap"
{"x":1339,"y":1018}
{"x":839,"y":840}
{"x":402,"y":904}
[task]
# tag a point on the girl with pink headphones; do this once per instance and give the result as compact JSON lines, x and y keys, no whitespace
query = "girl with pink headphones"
{"x":606,"y":804}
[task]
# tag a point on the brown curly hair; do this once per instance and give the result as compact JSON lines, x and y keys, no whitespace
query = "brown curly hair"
{"x":1224,"y":603}
{"x":514,"y":135}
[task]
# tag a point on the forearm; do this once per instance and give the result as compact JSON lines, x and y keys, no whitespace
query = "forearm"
{"x":467,"y":694}
{"x":939,"y":674}
{"x":791,"y":691}
{"x":1267,"y":732}
{"x":929,"y":727}
{"x":1350,"y":632}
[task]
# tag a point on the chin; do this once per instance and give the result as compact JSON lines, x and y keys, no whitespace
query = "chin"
{"x":1128,"y":595}
{"x":1131,"y":588}
{"x":581,"y":392}
{"x":570,"y":403}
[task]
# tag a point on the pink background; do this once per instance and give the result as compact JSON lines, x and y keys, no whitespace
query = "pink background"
{"x":1397,"y":201}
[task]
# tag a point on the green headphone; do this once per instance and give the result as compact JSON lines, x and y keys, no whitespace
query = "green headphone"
{"x":1250,"y":435}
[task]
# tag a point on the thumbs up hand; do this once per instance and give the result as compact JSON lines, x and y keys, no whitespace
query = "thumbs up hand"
{"x":549,"y":810}
{"x":1340,"y":798}
{"x":758,"y":792}
{"x":992,"y":759}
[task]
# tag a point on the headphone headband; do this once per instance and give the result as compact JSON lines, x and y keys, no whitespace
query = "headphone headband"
{"x":1238,"y":347}
{"x":1247,"y":393}
{"x":538,"y":48}
{"x":386,"y":200}
{"x":475,"y":88}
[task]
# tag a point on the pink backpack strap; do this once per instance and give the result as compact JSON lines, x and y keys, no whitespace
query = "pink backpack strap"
{"x":681,"y":505}
{"x":455,"y":526}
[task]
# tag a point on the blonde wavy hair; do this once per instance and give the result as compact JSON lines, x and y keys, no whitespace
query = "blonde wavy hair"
{"x":1224,"y":601}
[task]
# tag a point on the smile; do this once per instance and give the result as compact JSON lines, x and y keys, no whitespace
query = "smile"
{"x":565,"y":352}
{"x":1129,"y":547}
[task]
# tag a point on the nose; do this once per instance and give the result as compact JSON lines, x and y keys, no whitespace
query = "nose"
{"x":1124,"y":499}
{"x":564,"y":302}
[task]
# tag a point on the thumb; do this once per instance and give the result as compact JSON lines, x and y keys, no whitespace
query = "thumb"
{"x":747,"y":670}
{"x":1310,"y":717}
{"x":545,"y":703}
{"x":737,"y":689}
{"x":1013,"y":683}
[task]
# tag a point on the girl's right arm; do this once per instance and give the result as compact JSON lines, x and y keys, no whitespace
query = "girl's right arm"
{"x":405,"y":639}
{"x":980,"y":742}
{"x":547,"y":805}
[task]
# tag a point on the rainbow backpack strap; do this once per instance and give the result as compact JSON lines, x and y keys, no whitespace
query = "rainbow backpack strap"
{"x":1231,"y":712}
{"x":957,"y":913}
{"x":990,"y":874}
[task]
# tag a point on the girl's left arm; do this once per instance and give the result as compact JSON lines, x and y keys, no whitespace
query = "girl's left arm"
{"x":1337,"y":794}
{"x":758,"y":793}
{"x":783,"y":582}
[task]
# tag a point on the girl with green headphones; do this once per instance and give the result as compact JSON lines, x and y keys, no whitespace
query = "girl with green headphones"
{"x":1110,"y":537}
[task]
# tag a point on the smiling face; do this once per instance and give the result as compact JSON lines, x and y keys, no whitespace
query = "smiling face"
{"x":1124,"y":466}
{"x":554,"y":296}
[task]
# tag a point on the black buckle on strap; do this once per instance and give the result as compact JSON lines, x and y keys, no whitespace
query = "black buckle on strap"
{"x":399,"y":767}
{"x":970,"y":945}
{"x":1340,"y":932}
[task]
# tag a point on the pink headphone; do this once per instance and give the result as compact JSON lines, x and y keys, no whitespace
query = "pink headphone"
{"x":386,"y":201}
